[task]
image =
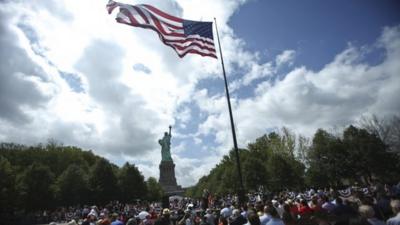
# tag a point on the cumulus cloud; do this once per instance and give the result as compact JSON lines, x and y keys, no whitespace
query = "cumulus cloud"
{"x":285,"y":57}
{"x":20,"y":76}
{"x":305,"y":100}
{"x":67,"y":74}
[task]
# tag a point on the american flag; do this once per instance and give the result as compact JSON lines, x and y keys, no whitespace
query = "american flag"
{"x":184,"y":36}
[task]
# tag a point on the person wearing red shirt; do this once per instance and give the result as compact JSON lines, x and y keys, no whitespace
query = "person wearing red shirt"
{"x":304,"y":209}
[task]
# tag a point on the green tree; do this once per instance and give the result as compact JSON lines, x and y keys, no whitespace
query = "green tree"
{"x":72,"y":186}
{"x":131,"y":183}
{"x":254,"y":173}
{"x":103,"y":183}
{"x":284,"y":173}
{"x":270,"y":161}
{"x":36,"y":186}
{"x":368,"y":154}
{"x":155,"y":191}
{"x":329,"y":161}
{"x":7,"y":186}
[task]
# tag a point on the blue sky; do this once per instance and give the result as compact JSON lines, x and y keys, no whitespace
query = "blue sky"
{"x":70,"y":73}
{"x":318,"y":30}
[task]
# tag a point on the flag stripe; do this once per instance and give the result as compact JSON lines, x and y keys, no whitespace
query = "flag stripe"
{"x":181,"y":48}
{"x":163,"y":14}
{"x":111,"y":6}
{"x":161,"y":29}
{"x":186,"y":43}
{"x":171,"y":23}
{"x":129,"y":15}
{"x":191,"y":38}
{"x":182,"y":35}
{"x":141,"y":14}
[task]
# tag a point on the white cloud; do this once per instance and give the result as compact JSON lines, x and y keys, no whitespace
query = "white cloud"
{"x":256,"y":70}
{"x":305,"y":100}
{"x":286,"y":56}
{"x":120,"y":112}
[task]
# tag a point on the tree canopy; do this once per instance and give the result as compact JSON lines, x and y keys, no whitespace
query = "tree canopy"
{"x":282,"y":160}
{"x":48,"y":176}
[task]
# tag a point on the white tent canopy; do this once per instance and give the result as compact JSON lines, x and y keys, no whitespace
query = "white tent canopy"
{"x":175,"y":198}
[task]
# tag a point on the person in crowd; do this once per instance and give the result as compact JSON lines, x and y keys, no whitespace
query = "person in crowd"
{"x":367,"y":212}
{"x":85,"y":211}
{"x":187,"y":219}
{"x":395,"y":220}
{"x":197,"y":218}
{"x":204,"y":199}
{"x":210,"y":217}
{"x":223,"y":221}
{"x":164,"y":219}
{"x":253,"y":218}
{"x":131,"y":221}
{"x":343,"y":210}
{"x":287,"y":217}
{"x":245,"y":208}
{"x":382,"y":207}
{"x":226,"y":212}
{"x":104,"y":220}
{"x":327,"y":205}
{"x":115,"y":220}
{"x":89,"y":220}
{"x":237,"y":218}
{"x":294,"y":209}
{"x":354,"y":220}
{"x":278,"y":204}
{"x":275,"y":220}
{"x":315,"y":206}
{"x":319,"y":210}
{"x":266,"y":217}
{"x":304,"y":209}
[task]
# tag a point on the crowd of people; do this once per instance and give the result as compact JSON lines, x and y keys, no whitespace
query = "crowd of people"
{"x":376,"y":205}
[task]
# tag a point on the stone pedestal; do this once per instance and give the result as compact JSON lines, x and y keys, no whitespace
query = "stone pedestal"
{"x":168,"y":180}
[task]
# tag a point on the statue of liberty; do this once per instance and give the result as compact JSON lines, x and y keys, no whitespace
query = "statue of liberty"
{"x":165,"y":143}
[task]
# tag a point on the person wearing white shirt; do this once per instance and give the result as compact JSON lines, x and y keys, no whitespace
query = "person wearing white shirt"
{"x":226,"y":212}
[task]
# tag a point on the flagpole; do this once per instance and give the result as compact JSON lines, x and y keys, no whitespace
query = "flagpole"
{"x":241,"y":188}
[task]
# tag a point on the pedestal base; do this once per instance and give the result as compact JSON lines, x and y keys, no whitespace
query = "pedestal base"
{"x":168,"y":180}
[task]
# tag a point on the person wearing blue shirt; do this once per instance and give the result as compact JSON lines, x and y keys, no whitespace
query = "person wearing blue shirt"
{"x":115,"y":220}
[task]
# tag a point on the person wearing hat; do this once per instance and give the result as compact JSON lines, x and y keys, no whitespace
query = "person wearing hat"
{"x":164,"y":219}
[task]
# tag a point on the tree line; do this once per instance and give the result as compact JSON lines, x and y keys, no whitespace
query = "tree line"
{"x":52,"y":175}
{"x":283,"y":161}
{"x":49,"y":176}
